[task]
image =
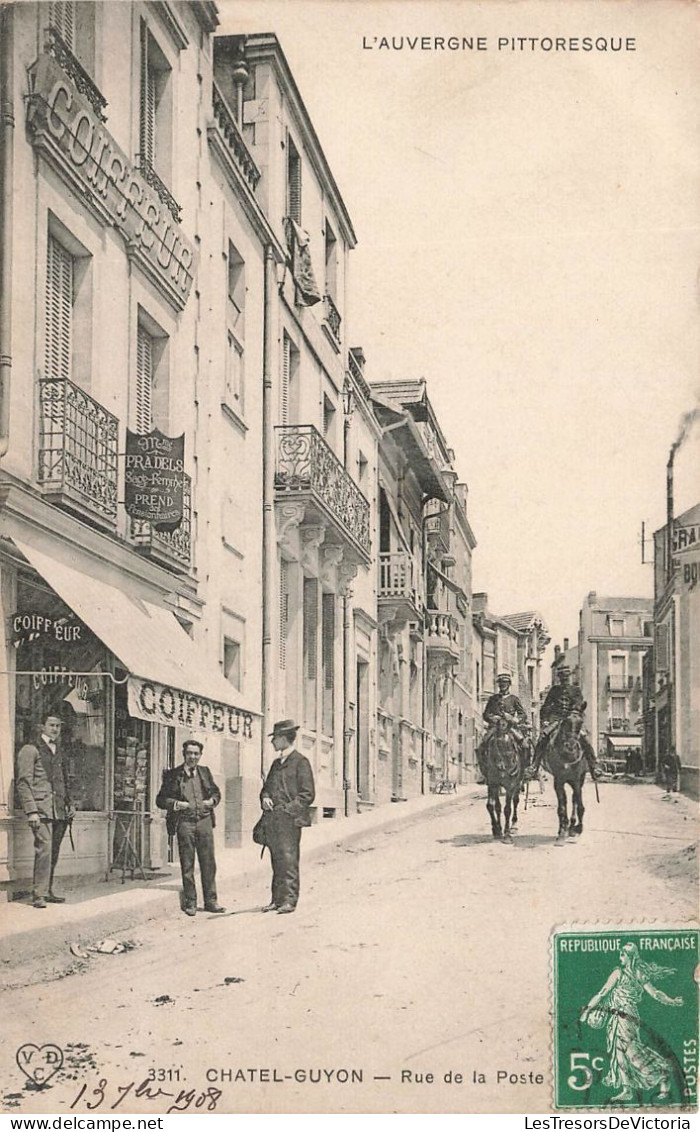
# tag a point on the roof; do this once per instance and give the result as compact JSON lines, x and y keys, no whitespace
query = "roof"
{"x":619,"y":604}
{"x":523,"y":622}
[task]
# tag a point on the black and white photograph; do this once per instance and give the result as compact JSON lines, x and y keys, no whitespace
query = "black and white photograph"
{"x":349,"y":556}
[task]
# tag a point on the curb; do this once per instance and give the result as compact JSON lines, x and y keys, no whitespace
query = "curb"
{"x":128,"y":908}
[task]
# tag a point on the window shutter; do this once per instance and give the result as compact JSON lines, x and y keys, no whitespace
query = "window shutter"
{"x":62,"y":18}
{"x":284,"y":391}
{"x":328,"y":639}
{"x":284,"y":611}
{"x":59,"y":310}
{"x":148,"y":102}
{"x":144,"y":381}
{"x":310,"y":626}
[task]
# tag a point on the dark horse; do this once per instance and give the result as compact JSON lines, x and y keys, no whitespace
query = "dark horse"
{"x":566,"y":762}
{"x":503,"y":767}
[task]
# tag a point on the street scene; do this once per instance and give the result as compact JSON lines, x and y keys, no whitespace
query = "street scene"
{"x":422,"y":948}
{"x":349,"y":556}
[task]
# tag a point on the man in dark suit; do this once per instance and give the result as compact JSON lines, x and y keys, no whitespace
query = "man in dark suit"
{"x":503,"y":705}
{"x":189,"y":795}
{"x":42,"y":792}
{"x":285,"y":798}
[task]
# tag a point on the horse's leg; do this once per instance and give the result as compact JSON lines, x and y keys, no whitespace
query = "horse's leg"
{"x":516,"y":799}
{"x":561,"y":810}
{"x":494,"y":808}
{"x":577,"y":827}
{"x":507,"y":835}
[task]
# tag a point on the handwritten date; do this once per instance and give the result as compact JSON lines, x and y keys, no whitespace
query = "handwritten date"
{"x":185,"y":1100}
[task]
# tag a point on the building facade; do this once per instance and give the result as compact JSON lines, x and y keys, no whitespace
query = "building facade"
{"x":675,"y":683}
{"x":614,"y":636}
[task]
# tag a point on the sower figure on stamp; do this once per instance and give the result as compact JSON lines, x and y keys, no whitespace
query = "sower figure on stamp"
{"x":189,"y":795}
{"x":503,"y":705}
{"x":562,"y":699}
{"x":42,"y":792}
{"x":285,"y":798}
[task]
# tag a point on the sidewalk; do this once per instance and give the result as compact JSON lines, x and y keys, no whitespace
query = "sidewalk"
{"x":111,"y":909}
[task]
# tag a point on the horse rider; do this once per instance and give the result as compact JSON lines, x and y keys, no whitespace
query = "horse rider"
{"x":562,"y":699}
{"x":503,"y":707}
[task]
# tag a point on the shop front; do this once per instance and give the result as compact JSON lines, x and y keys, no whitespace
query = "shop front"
{"x":129,"y":685}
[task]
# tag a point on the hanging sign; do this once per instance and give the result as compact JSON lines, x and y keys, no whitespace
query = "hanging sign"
{"x":155,"y":478}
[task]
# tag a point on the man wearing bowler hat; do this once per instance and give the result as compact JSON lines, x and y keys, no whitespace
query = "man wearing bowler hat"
{"x":285,"y":798}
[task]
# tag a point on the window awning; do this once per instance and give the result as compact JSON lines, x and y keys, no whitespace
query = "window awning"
{"x":628,"y":742}
{"x":171,"y":680}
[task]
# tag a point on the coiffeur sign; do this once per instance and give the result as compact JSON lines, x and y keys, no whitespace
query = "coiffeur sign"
{"x":63,"y":125}
{"x":159,"y":703}
{"x":154,"y":478}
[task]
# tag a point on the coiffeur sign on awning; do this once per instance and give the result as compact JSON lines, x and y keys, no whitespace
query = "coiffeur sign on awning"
{"x":158,"y":703}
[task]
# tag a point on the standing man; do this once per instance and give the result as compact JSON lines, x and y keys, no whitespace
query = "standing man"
{"x":42,"y":792}
{"x":189,"y":795}
{"x":285,"y":798}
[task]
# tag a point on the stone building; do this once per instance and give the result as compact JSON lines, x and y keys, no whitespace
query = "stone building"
{"x":614,"y":635}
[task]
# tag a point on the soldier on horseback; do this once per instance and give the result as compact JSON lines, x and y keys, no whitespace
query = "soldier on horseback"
{"x":562,"y":699}
{"x":506,"y":709}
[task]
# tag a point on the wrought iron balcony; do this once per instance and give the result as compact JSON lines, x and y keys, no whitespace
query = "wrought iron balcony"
{"x":398,"y":585}
{"x":618,"y":724}
{"x":233,"y":138}
{"x":77,"y":451}
{"x":145,"y":168}
{"x":332,"y":318}
{"x":620,"y":683}
{"x":437,"y":526}
{"x":307,"y":470}
{"x":171,"y":549}
{"x":57,"y":47}
{"x":442,"y":634}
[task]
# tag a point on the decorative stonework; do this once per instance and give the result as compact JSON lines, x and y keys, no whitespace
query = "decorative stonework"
{"x":311,"y":539}
{"x":331,"y":559}
{"x":289,"y":517}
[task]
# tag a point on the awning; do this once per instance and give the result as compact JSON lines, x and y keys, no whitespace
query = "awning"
{"x":449,"y":582}
{"x":171,"y":680}
{"x":627,"y":742}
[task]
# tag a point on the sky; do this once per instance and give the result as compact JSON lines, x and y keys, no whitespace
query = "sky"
{"x":528,"y":242}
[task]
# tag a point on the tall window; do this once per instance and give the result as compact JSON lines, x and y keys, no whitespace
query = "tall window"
{"x":155,"y":109}
{"x":289,"y":385}
{"x":293,"y":182}
{"x":75,"y":23}
{"x":617,"y":627}
{"x":62,"y":17}
{"x":151,"y":409}
{"x":284,"y":612}
{"x":232,"y":661}
{"x":310,"y":613}
{"x":331,"y":262}
{"x":327,"y":661}
{"x":59,"y":310}
{"x":235,"y":329}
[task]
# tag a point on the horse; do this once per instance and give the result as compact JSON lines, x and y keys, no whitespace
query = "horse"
{"x":503,"y":768}
{"x":565,"y":760}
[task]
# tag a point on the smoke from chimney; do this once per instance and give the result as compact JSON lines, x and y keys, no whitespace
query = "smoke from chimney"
{"x":687,"y":421}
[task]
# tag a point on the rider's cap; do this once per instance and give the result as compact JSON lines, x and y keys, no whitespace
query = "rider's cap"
{"x":564,"y":670}
{"x":504,"y":676}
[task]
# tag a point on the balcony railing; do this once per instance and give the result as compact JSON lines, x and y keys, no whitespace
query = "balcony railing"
{"x":61,"y":52}
{"x":620,"y":683}
{"x":437,"y":525}
{"x":307,"y":466}
{"x":333,"y":319}
{"x":77,"y":451}
{"x":234,"y":139}
{"x":172,"y":549}
{"x":442,"y":632}
{"x":145,"y":168}
{"x":398,"y":578}
{"x":616,"y":723}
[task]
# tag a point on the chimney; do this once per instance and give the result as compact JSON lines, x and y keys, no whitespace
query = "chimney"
{"x":566,"y":644}
{"x":557,"y":652}
{"x":359,"y":356}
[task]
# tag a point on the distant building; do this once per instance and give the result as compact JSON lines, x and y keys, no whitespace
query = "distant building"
{"x":676,"y":692}
{"x":533,"y":639}
{"x":566,"y":656}
{"x":514,"y":644}
{"x":614,"y":636}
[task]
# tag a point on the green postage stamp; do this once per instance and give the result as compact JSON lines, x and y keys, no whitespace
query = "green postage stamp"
{"x":625,"y":1018}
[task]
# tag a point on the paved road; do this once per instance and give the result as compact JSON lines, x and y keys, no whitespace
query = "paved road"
{"x":422,"y":950}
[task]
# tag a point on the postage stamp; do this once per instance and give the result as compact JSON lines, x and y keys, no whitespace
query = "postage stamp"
{"x":625,"y":1018}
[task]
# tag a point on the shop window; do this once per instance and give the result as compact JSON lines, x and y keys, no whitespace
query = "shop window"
{"x":61,"y":662}
{"x":155,"y":125}
{"x":152,"y":378}
{"x":284,"y":612}
{"x":310,"y":658}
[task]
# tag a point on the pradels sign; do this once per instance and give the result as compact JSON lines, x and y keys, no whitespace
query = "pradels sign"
{"x":155,"y":478}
